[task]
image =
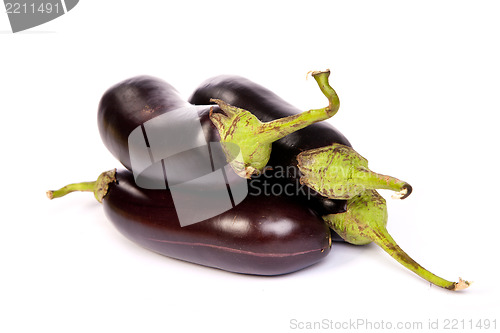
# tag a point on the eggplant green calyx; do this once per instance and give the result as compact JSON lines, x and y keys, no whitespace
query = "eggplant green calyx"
{"x":339,"y":172}
{"x":247,"y":141}
{"x":99,"y":187}
{"x":365,"y":221}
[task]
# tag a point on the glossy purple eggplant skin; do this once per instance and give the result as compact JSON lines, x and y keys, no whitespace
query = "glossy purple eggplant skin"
{"x":268,"y":106}
{"x":260,"y":236}
{"x":132,"y":102}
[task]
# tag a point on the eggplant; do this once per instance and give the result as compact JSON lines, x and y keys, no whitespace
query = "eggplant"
{"x":136,"y":116}
{"x":269,"y":235}
{"x":129,"y":104}
{"x":232,"y":93}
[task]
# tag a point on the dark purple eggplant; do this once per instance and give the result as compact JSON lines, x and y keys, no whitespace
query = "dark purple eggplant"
{"x":269,"y":235}
{"x":300,"y":153}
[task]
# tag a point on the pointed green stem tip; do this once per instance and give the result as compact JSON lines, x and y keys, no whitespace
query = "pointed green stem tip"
{"x":339,"y":172}
{"x":365,"y":221}
{"x":99,"y":187}
{"x":247,"y":141}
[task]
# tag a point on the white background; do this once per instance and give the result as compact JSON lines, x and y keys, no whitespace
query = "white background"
{"x":419,"y":85}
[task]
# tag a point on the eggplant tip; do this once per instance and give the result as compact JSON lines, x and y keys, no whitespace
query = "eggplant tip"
{"x":461,"y":284}
{"x":248,"y":172}
{"x":314,"y":73}
{"x":404,"y":193}
{"x":50,"y":194}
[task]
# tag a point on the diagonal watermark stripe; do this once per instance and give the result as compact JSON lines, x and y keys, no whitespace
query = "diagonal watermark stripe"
{"x":170,"y":151}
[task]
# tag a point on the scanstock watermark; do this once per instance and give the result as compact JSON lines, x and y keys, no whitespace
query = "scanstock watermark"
{"x":24,"y":15}
{"x":364,"y":324}
{"x":171,"y":152}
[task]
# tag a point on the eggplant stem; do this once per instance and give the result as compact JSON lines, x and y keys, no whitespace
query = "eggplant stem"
{"x":253,"y":138}
{"x":83,"y":187}
{"x":383,"y":182}
{"x":321,"y":78}
{"x":99,"y":187}
{"x":339,"y":172}
{"x":365,"y":221}
{"x":279,"y":128}
{"x":383,"y":239}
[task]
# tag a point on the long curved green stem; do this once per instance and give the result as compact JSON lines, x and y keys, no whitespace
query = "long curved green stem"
{"x":279,"y":128}
{"x":383,"y":239}
{"x":365,"y":221}
{"x":321,"y":78}
{"x":99,"y":187}
{"x":247,"y":141}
